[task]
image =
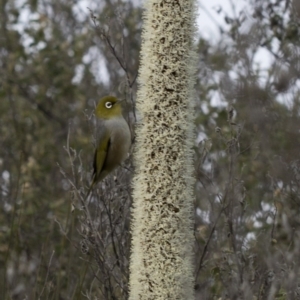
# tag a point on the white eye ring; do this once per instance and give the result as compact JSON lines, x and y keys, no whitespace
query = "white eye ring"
{"x":108,"y":105}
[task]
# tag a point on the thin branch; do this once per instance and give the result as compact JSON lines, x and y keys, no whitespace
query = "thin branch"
{"x":47,"y":275}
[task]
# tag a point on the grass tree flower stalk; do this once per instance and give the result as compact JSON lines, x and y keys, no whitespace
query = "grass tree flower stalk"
{"x":161,"y":265}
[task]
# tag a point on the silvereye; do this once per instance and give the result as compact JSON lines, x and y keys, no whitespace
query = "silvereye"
{"x":113,"y":138}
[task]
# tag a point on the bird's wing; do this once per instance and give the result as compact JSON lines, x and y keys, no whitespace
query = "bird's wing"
{"x":103,"y":144}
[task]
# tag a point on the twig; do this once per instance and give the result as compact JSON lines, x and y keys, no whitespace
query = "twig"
{"x":208,"y":241}
{"x":50,"y":261}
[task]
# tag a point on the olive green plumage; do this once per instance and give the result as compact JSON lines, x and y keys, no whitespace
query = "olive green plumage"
{"x":113,"y":138}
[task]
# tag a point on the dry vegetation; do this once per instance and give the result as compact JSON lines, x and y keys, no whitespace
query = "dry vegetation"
{"x":58,"y":63}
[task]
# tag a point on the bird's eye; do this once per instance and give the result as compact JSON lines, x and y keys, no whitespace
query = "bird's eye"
{"x":108,"y":105}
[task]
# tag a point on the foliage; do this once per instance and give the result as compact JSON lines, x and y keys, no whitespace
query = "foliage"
{"x":57,"y":59}
{"x":248,"y":203}
{"x":53,"y":65}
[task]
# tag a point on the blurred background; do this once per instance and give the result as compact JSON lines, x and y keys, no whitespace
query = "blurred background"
{"x":57,"y":58}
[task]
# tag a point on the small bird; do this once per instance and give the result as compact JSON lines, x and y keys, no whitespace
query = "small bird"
{"x":113,"y":138}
